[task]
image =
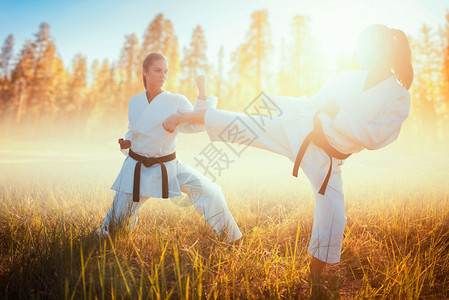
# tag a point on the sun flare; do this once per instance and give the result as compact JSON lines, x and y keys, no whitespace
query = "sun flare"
{"x":336,"y":27}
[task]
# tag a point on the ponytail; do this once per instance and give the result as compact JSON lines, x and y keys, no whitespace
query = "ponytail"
{"x":401,"y":58}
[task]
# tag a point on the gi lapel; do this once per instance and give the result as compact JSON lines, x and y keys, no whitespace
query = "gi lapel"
{"x":144,"y":120}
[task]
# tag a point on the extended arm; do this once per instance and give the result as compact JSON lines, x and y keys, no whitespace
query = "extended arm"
{"x":191,"y":118}
{"x":186,"y":120}
{"x":187,"y":125}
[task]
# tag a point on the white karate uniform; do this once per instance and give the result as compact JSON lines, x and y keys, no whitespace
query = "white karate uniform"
{"x":148,"y":138}
{"x":368,"y":119}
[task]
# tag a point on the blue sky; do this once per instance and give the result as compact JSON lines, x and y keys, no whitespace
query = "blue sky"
{"x":97,"y":28}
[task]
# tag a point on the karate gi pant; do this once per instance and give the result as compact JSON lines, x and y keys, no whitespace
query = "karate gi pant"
{"x":206,"y":197}
{"x":284,"y":136}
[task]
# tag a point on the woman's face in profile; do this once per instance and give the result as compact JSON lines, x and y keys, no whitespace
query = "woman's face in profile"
{"x":157,"y":73}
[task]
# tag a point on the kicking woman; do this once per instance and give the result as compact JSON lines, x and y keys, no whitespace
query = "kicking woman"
{"x":359,"y":109}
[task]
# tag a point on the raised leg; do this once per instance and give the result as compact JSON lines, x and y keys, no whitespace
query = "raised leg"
{"x":281,"y":135}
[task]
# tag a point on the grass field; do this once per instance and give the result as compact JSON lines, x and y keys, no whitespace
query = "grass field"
{"x":53,"y":196}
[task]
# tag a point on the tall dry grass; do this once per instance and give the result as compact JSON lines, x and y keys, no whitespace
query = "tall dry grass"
{"x":53,"y":196}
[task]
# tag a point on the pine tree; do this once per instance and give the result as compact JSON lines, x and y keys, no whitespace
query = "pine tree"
{"x":259,"y":45}
{"x":242,"y":78}
{"x":41,"y":94}
{"x":171,"y":51}
{"x":153,"y":39}
{"x":77,"y":86}
{"x":5,"y":56}
{"x":21,"y":79}
{"x":219,"y":82}
{"x":305,"y":67}
{"x":5,"y":84}
{"x":130,"y":64}
{"x":40,"y":48}
{"x":54,"y":83}
{"x":91,"y":97}
{"x":196,"y":54}
{"x":445,"y":37}
{"x":299,"y":52}
{"x":59,"y":92}
{"x":107,"y":103}
{"x":194,"y":62}
{"x":251,"y":61}
{"x":444,"y":77}
{"x":426,"y":61}
{"x":284,"y":82}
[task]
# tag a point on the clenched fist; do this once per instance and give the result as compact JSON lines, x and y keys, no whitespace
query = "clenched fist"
{"x":124,"y":144}
{"x":171,"y":123}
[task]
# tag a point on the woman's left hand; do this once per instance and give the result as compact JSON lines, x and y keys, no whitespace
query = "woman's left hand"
{"x":124,"y":144}
{"x":171,"y":123}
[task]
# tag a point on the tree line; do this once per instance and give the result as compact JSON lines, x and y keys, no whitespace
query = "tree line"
{"x":37,"y":89}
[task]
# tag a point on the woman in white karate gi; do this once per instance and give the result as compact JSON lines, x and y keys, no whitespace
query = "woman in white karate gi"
{"x":358,"y":109}
{"x":151,"y":168}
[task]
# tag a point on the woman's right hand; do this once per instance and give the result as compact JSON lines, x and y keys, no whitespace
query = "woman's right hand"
{"x":171,"y":123}
{"x":124,"y":144}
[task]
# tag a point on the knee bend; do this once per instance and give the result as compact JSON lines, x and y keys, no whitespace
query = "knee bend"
{"x":212,"y":190}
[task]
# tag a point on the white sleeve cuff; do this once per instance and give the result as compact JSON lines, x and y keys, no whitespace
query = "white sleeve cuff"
{"x":210,"y":102}
{"x":125,"y":151}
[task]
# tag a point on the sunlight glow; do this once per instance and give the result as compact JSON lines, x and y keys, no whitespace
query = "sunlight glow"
{"x":336,"y":27}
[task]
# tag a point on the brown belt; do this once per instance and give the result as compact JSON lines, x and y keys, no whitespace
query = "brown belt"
{"x":319,"y":139}
{"x":148,"y":162}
